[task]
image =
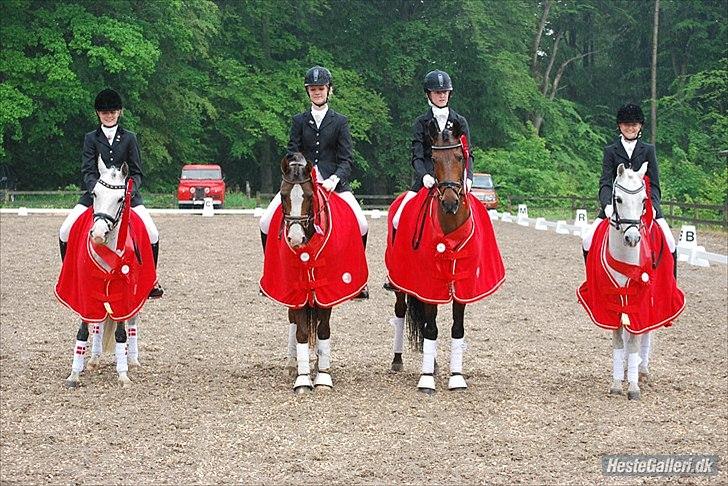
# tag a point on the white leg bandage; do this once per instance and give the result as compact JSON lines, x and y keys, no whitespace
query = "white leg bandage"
{"x":354,"y":205}
{"x":324,"y":354}
{"x":645,"y":346}
{"x":132,"y":337}
{"x":97,"y":335}
{"x":65,"y":229}
{"x":291,"y":340}
{"x":457,"y":348}
{"x":587,"y":241}
{"x":122,"y":365}
{"x":429,"y":351}
{"x":398,"y":214}
{"x":618,"y":364}
{"x":148,"y":223}
{"x":78,"y":355}
{"x":398,"y":323}
{"x":304,"y":367}
{"x":633,"y":362}
{"x":264,"y":222}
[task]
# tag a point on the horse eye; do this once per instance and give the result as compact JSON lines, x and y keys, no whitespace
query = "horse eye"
{"x":121,"y":199}
{"x":618,"y":199}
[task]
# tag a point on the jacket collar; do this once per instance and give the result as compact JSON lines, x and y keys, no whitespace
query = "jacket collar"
{"x":328,"y":118}
{"x":639,"y":148}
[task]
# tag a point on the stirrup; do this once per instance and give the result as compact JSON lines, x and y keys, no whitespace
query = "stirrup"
{"x":364,"y":294}
{"x":388,"y":286}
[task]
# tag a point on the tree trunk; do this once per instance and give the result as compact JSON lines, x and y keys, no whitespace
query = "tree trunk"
{"x":653,"y":120}
{"x":539,"y":33}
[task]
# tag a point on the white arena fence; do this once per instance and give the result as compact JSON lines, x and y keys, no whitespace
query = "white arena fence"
{"x":692,"y":254}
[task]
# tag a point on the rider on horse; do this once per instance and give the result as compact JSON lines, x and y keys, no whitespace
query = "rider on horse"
{"x":322,"y":136}
{"x":115,"y":146}
{"x":631,"y":151}
{"x":438,"y":88}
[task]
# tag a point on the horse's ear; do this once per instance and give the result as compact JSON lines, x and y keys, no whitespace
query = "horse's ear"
{"x":309,"y":166}
{"x":124,"y":170}
{"x":620,"y":170}
{"x":433,"y":130}
{"x":101,"y":166}
{"x":284,"y":164}
{"x":643,"y":170}
{"x":457,"y":129}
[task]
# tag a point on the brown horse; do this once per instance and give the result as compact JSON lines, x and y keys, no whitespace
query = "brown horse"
{"x":298,"y":191}
{"x":453,"y":210}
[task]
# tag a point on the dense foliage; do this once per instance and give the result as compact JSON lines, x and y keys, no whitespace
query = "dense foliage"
{"x":218,"y":81}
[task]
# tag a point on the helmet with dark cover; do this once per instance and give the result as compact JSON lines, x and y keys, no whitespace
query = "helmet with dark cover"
{"x":317,"y":76}
{"x":630,"y":113}
{"x":108,"y":100}
{"x":437,"y":81}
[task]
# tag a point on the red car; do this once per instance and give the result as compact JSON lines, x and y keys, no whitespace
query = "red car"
{"x":199,"y":181}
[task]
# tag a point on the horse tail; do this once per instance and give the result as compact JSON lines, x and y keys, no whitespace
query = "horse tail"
{"x":109,"y":342}
{"x":312,"y":325}
{"x":415,"y":322}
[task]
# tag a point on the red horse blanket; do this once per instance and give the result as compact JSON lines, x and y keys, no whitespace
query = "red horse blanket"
{"x":650,"y":298}
{"x":97,"y":282}
{"x":464,"y":265}
{"x":329,"y":269}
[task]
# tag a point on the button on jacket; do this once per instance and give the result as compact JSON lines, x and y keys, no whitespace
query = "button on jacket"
{"x":422,"y":149}
{"x":328,"y":147}
{"x":124,"y":149}
{"x":614,"y":154}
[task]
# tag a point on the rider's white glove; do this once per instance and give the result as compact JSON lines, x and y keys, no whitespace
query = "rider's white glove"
{"x":428,"y":181}
{"x":469,"y":183}
{"x":330,"y":183}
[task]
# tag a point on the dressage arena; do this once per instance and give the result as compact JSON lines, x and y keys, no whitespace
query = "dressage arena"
{"x":212,"y":402}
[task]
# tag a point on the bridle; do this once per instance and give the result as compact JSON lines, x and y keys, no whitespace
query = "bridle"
{"x":304,"y":221}
{"x":616,"y":221}
{"x":442,"y":186}
{"x":111,"y":221}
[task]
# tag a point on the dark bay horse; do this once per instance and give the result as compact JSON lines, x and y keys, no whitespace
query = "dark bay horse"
{"x":445,"y":211}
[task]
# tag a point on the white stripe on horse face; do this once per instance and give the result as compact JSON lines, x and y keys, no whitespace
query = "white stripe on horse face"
{"x":295,"y":232}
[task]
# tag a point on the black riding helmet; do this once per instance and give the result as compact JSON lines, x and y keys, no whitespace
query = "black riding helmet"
{"x":317,"y":76}
{"x":630,"y":113}
{"x":437,"y":81}
{"x":108,"y":100}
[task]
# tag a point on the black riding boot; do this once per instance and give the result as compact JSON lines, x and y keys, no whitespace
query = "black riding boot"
{"x":388,"y":285}
{"x":62,"y":245}
{"x":364,"y":294}
{"x":263,"y":239}
{"x":585,"y":252}
{"x":157,"y":291}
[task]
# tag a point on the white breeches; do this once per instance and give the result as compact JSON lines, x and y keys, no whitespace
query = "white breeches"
{"x":398,"y":214}
{"x":669,"y":238}
{"x":346,"y":196}
{"x":79,"y":209}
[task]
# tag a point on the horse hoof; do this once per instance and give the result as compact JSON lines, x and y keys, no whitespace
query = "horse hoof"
{"x":93,"y":364}
{"x":302,"y":390}
{"x":615,"y":391}
{"x":457,"y":382}
{"x":633,"y":395}
{"x":72,"y":383}
{"x":133,"y":363}
{"x":427,"y":391}
{"x":323,"y":379}
{"x":124,"y":380}
{"x":397,"y":367}
{"x":426,"y":384}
